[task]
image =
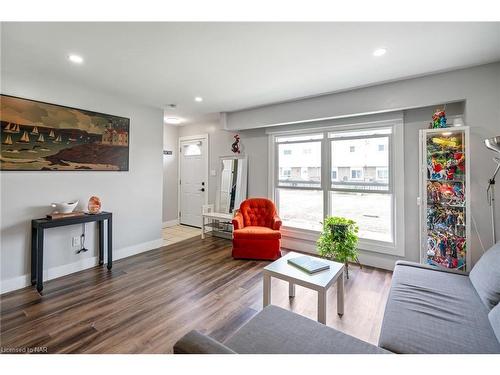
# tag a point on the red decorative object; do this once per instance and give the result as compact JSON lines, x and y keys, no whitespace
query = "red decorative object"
{"x":256,"y":233}
{"x":94,"y":205}
{"x":235,"y":147}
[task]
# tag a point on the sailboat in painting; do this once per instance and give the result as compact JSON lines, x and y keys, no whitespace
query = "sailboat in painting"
{"x":58,"y":139}
{"x":25,"y":138}
{"x":8,"y":128}
{"x":7,"y":140}
{"x":11,"y":128}
{"x":51,"y":134}
{"x":34,"y":131}
{"x":40,"y":139}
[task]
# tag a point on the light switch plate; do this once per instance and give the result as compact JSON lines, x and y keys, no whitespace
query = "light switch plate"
{"x":213,"y":172}
{"x":76,"y":241}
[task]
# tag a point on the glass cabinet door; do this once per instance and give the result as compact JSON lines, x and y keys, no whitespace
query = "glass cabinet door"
{"x":445,"y":198}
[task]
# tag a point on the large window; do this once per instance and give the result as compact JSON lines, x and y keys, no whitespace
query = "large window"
{"x":298,"y":193}
{"x":348,"y":172}
{"x":361,"y":195}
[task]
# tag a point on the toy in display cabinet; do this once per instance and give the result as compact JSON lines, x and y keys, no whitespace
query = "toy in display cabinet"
{"x":438,"y":120}
{"x":444,"y":195}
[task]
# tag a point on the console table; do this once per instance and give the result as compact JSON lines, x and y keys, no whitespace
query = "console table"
{"x":37,"y":232}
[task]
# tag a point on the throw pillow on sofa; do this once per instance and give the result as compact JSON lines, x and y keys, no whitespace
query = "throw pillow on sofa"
{"x":494,"y":317}
{"x":485,"y":276}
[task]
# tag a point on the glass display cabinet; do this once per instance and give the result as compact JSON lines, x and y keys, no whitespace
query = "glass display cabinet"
{"x":444,"y":197}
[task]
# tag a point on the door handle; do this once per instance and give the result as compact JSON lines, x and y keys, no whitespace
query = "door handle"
{"x":202,"y":189}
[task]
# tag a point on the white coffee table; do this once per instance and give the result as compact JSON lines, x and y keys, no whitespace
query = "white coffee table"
{"x":320,"y":282}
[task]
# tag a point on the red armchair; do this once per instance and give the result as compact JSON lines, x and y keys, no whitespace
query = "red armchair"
{"x":256,"y":230}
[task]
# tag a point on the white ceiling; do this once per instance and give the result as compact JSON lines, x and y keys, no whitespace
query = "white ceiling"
{"x":239,"y":65}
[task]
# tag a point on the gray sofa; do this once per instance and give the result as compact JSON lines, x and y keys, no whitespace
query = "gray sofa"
{"x":429,"y":310}
{"x":432,"y":311}
{"x":277,"y":331}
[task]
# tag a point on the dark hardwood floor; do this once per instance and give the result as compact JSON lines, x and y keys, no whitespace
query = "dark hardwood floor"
{"x":148,"y":301}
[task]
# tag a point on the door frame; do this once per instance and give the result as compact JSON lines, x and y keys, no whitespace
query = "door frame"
{"x":206,"y":154}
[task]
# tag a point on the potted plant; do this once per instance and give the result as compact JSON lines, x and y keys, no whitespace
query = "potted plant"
{"x":338,"y":241}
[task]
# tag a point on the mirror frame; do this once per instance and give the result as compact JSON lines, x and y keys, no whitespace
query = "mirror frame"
{"x":244,"y":177}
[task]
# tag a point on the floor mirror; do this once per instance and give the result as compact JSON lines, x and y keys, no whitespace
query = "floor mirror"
{"x":231,"y":183}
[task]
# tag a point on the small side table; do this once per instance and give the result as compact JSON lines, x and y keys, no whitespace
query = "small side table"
{"x":37,"y":233}
{"x":210,"y":216}
{"x":320,"y":282}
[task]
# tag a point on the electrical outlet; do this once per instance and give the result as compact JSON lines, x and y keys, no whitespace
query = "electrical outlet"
{"x":76,"y":241}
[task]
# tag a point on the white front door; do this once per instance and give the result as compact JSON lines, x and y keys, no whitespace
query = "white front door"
{"x":193,"y":180}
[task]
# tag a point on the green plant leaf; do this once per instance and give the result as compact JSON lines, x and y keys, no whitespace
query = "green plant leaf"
{"x":338,"y":240}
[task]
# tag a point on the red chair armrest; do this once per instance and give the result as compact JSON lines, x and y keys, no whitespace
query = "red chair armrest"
{"x":276,"y":223}
{"x":238,"y":221}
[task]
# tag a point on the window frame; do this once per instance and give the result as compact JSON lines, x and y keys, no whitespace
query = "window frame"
{"x":361,"y":174}
{"x":289,"y":170}
{"x":276,"y":182}
{"x":380,"y":169}
{"x":336,"y":170}
{"x":396,"y":181}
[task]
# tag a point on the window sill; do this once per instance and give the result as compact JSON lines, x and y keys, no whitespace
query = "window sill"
{"x":311,"y":236}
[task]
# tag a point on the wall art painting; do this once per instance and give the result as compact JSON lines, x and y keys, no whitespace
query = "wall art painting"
{"x":38,"y":136}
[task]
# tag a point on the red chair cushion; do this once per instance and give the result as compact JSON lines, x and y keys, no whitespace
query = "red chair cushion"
{"x":258,"y":212}
{"x":256,"y":233}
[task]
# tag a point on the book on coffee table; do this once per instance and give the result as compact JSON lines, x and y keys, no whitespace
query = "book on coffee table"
{"x":308,"y":264}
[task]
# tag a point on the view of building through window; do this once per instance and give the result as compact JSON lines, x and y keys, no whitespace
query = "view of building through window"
{"x":300,"y":164}
{"x":362,"y":164}
{"x":359,"y":189}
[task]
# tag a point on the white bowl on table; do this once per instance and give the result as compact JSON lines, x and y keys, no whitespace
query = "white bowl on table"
{"x":64,"y":207}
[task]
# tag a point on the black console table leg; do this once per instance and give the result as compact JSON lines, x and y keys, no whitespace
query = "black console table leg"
{"x":39,"y":261}
{"x":110,"y":243}
{"x":101,"y":242}
{"x":34,"y":240}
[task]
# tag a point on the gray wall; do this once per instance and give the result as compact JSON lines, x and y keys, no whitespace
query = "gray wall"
{"x":132,"y":196}
{"x":479,"y":87}
{"x":170,"y":167}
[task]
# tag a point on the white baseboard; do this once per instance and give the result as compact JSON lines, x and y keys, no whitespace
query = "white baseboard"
{"x":170,"y":223}
{"x":14,"y":283}
{"x":66,"y":269}
{"x":137,"y":249}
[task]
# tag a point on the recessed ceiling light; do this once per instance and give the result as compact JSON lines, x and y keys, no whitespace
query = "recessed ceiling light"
{"x":172,"y":120}
{"x":75,"y":59}
{"x":379,"y":52}
{"x":198,"y":99}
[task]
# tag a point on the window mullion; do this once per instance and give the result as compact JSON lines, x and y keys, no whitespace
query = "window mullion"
{"x":326,"y":172}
